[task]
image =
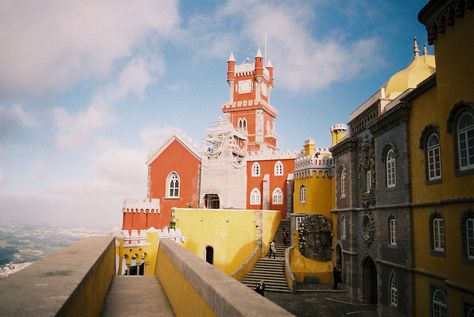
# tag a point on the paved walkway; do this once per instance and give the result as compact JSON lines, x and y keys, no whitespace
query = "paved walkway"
{"x":317,"y":304}
{"x":137,"y":296}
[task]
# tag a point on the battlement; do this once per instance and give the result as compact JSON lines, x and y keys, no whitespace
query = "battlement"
{"x":249,"y":103}
{"x":272,"y":155}
{"x":138,"y":205}
{"x":339,"y":126}
{"x":309,"y":162}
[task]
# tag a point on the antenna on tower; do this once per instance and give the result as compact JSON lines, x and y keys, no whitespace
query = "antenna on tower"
{"x":265,"y":48}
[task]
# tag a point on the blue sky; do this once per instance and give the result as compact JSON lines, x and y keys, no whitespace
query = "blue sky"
{"x":88,"y":88}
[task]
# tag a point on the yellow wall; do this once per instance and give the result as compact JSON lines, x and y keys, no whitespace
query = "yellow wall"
{"x":183,"y":297}
{"x":302,"y":266}
{"x":319,"y":195}
{"x":455,"y":70}
{"x":231,"y":233}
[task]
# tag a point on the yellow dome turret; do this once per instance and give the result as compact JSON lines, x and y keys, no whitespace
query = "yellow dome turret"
{"x":421,"y":68}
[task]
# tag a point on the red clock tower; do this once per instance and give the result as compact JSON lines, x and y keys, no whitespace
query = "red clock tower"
{"x":249,"y":108}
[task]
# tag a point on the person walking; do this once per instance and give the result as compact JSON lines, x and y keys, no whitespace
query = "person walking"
{"x":272,"y":249}
{"x":260,"y":288}
{"x":284,"y":235}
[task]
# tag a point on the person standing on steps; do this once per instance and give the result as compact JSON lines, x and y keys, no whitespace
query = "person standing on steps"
{"x":260,"y":288}
{"x":272,"y":249}
{"x":284,"y":235}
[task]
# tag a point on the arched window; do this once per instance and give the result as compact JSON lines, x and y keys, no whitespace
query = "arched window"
{"x":240,"y":123}
{"x":255,"y":197}
{"x":302,"y":194}
{"x":392,"y":230}
{"x":393,"y":291}
{"x":391,"y":169}
{"x":277,"y":196}
{"x":467,"y":230}
{"x":465,"y":139}
{"x":437,"y":233}
{"x":255,"y":169}
{"x":342,"y":182}
{"x":470,"y":312}
{"x":433,"y":158}
{"x":278,"y":169}
{"x":343,"y":228}
{"x":172,"y":185}
{"x":439,"y":304}
{"x":244,"y":123}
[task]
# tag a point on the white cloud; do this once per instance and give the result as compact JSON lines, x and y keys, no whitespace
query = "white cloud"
{"x":77,"y":129}
{"x":47,"y":45}
{"x":302,"y":60}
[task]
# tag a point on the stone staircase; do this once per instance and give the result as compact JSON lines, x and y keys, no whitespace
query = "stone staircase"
{"x":270,"y":270}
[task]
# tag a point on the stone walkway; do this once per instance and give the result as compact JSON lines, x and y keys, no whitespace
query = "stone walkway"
{"x":137,"y":296}
{"x":318,"y":304}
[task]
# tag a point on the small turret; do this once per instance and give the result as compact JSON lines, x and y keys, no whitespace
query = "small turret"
{"x":338,"y":132}
{"x":270,"y":71}
{"x":309,"y":147}
{"x":231,"y":68}
{"x":259,"y":66}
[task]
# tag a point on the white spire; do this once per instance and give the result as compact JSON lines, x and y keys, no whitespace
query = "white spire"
{"x":269,"y":64}
{"x":259,"y":53}
{"x":416,"y":51}
{"x":231,"y":57}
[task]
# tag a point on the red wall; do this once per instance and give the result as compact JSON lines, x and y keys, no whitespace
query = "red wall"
{"x":267,"y":167}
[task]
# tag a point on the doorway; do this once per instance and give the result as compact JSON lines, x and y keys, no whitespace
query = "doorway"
{"x":211,"y":201}
{"x":370,"y":281}
{"x":210,"y":255}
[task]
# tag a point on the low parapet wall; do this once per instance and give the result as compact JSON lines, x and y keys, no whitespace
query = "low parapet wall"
{"x":71,"y":282}
{"x":195,"y":288}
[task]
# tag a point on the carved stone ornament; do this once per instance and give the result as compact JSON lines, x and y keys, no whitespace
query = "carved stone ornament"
{"x":368,"y":227}
{"x":366,"y":170}
{"x":315,"y":237}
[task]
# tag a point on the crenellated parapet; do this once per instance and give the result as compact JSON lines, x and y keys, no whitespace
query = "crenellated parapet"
{"x":141,"y":205}
{"x":272,"y":155}
{"x":242,"y":104}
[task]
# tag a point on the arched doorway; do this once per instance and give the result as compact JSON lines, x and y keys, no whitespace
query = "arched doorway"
{"x":210,"y":255}
{"x":211,"y":201}
{"x":339,"y":260}
{"x":370,"y":281}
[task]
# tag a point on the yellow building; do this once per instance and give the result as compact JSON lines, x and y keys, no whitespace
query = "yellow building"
{"x":442,"y":165}
{"x":314,"y":194}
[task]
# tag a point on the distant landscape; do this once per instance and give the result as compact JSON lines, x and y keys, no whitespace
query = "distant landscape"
{"x":26,"y":244}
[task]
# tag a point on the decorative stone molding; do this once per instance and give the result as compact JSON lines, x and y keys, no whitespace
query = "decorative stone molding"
{"x":368,"y":228}
{"x":367,"y":164}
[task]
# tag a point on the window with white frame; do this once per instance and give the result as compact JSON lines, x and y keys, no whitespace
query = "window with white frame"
{"x":391,"y":169}
{"x":343,"y":228}
{"x":278,"y":169}
{"x":255,"y":169}
{"x":470,"y":238}
{"x":277,"y":196}
{"x":465,"y":139}
{"x":438,"y":234}
{"x":342,"y":183}
{"x":393,"y":291}
{"x":255,"y":197}
{"x":172,"y":185}
{"x":302,"y":194}
{"x":392,"y":230}
{"x":433,"y":157}
{"x":439,"y":304}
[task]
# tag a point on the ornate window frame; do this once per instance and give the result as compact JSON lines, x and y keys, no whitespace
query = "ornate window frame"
{"x":277,"y":196}
{"x":255,"y":197}
{"x":342,"y":227}
{"x":342,"y":182}
{"x":172,"y":185}
{"x":459,"y":110}
{"x":433,"y":158}
{"x":255,"y":169}
{"x":367,"y":172}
